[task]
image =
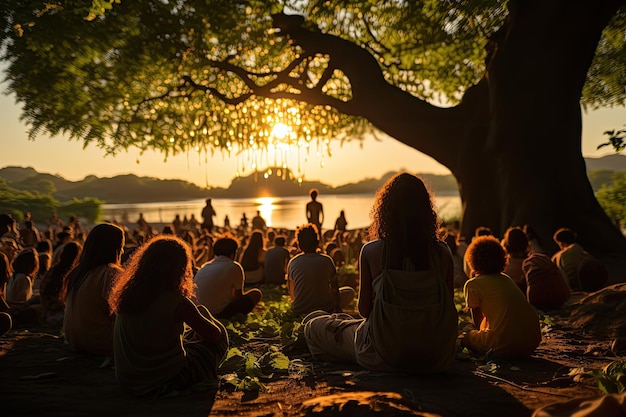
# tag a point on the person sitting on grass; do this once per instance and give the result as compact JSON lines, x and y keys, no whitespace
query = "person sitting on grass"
{"x":88,"y":322}
{"x":581,"y":270}
{"x":313,"y":279}
{"x":219,"y":283}
{"x":20,"y":286}
{"x":51,"y":289}
{"x":546,"y":288}
{"x":517,"y":247}
{"x":508,"y":325}
{"x":151,"y":301}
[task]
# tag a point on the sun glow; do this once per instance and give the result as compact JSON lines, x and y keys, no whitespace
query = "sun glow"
{"x":280,"y":131}
{"x":287,"y":142}
{"x":266,"y":207}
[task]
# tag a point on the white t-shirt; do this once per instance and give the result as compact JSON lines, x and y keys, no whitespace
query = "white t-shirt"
{"x":215,"y":283}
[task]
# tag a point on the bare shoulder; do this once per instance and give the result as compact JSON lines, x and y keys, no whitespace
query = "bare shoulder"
{"x":373,"y":248}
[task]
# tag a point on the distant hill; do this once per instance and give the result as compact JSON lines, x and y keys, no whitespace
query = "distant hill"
{"x":616,"y":162}
{"x":118,"y":189}
{"x":278,"y":182}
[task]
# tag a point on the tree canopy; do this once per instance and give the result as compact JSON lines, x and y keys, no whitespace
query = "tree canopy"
{"x":205,"y":75}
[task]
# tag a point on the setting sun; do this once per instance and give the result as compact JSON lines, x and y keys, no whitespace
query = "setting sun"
{"x":280,"y":131}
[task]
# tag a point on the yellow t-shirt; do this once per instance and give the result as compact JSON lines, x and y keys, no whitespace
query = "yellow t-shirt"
{"x":510,"y":325}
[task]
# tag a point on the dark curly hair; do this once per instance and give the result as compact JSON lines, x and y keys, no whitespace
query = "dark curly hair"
{"x":161,"y":264}
{"x":403,"y":213}
{"x":485,"y":255}
{"x":307,"y":237}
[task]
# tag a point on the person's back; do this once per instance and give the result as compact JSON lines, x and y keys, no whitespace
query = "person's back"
{"x":311,"y":274}
{"x":313,"y":280}
{"x":276,"y":259}
{"x":215,"y":282}
{"x":219,"y":283}
{"x":152,"y":353}
{"x":405,"y":291}
{"x":19,"y":289}
{"x":546,"y":286}
{"x":253,"y":258}
{"x":570,"y":256}
{"x":151,"y":298}
{"x":29,"y":234}
{"x":88,"y":322}
{"x":409,"y":298}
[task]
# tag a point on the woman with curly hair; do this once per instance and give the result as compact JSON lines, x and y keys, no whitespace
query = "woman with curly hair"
{"x":152,"y":303}
{"x":506,"y":324}
{"x":406,"y":291}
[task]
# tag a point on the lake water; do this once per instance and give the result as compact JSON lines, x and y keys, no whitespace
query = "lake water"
{"x":278,"y":212}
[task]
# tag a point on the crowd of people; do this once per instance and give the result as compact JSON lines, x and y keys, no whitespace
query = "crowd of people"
{"x":127,"y":293}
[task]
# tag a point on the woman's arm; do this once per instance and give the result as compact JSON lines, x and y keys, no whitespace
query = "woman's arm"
{"x":201,"y":322}
{"x":447,"y":267}
{"x":366,"y":293}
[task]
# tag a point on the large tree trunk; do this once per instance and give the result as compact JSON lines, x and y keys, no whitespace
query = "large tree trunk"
{"x":535,"y":78}
{"x":514,"y":142}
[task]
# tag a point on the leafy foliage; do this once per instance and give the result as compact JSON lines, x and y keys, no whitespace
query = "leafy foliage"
{"x":616,"y":139}
{"x":42,"y":204}
{"x":274,"y":328}
{"x":612,"y":198}
{"x":205,"y":75}
{"x":612,"y":378}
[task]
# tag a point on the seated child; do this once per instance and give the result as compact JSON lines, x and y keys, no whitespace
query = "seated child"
{"x":509,"y":325}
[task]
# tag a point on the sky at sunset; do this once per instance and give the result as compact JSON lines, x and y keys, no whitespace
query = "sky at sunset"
{"x":350,"y":162}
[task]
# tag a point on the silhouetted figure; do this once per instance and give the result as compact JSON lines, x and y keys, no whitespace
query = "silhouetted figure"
{"x":208,"y":212}
{"x":315,"y":211}
{"x":258,"y":222}
{"x":341,"y":223}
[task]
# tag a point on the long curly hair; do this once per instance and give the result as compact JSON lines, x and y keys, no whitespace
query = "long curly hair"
{"x":403,"y":214}
{"x":164,"y":263}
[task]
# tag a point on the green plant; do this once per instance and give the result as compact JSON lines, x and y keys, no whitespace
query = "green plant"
{"x":612,"y":378}
{"x":272,"y":323}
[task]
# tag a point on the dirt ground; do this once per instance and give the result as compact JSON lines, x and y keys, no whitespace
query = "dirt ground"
{"x":40,"y":376}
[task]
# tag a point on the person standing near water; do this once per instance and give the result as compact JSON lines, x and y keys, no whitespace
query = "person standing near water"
{"x":315,"y":211}
{"x":207,"y":215}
